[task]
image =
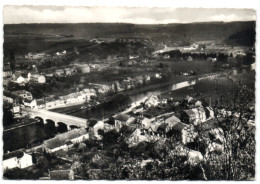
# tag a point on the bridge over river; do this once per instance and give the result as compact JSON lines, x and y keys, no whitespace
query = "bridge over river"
{"x":57,"y":118}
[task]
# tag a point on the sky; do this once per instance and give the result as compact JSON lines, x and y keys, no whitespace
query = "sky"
{"x":136,"y":15}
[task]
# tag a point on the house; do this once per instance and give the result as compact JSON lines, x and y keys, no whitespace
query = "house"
{"x":32,"y":104}
{"x":138,"y":80}
{"x":158,"y":75}
{"x":172,"y":121}
{"x":184,"y":133}
{"x":65,"y":140}
{"x":164,"y":101}
{"x":71,"y":98}
{"x":69,"y":71}
{"x":195,"y":115}
{"x":89,"y":93}
{"x":151,"y":101}
{"x":94,"y":127}
{"x":61,"y":175}
{"x":8,"y":99}
{"x":147,"y":78}
{"x":83,"y":68}
{"x":81,"y":96}
{"x":7,"y":72}
{"x":16,"y":109}
{"x":123,"y":119}
{"x":109,"y":126}
{"x":209,"y":113}
{"x":100,"y":88}
{"x":59,"y":72}
{"x":17,"y":77}
{"x":198,"y":103}
{"x":40,"y":104}
{"x":211,"y":59}
{"x":35,"y":77}
{"x":24,"y":94}
{"x":137,"y":110}
{"x":138,"y":135}
{"x":16,"y":159}
{"x":145,"y":122}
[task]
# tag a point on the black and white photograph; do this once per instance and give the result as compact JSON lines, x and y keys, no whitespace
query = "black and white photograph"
{"x":128,"y":93}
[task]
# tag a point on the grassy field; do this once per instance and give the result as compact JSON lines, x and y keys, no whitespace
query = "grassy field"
{"x":213,"y":89}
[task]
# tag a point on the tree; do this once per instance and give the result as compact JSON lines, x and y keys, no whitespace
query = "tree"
{"x":236,"y":159}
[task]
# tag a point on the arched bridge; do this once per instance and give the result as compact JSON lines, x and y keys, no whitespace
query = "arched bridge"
{"x":56,"y":117}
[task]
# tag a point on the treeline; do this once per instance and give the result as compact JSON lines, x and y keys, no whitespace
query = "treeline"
{"x":246,"y":59}
{"x":246,"y":37}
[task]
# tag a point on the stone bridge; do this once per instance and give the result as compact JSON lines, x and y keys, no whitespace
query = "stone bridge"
{"x":57,"y":118}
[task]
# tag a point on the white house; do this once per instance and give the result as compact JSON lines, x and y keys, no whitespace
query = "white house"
{"x":98,"y":126}
{"x":151,"y":101}
{"x":35,"y":77}
{"x":17,"y":159}
{"x":30,"y":103}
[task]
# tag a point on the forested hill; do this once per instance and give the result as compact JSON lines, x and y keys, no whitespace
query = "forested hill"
{"x":193,"y":31}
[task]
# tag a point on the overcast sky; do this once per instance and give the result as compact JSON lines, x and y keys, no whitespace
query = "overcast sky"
{"x":140,"y":15}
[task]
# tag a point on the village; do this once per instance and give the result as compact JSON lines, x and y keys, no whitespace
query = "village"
{"x":173,"y":123}
{"x":128,"y":106}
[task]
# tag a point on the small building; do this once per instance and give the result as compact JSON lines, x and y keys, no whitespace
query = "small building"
{"x":83,"y":68}
{"x":59,"y":72}
{"x":123,"y":119}
{"x":94,"y":127}
{"x":195,"y":116}
{"x":8,"y":99}
{"x":69,"y":71}
{"x":158,"y":75}
{"x":100,"y":88}
{"x":151,"y":101}
{"x":35,"y":77}
{"x":32,"y":104}
{"x":24,"y":94}
{"x":65,"y":140}
{"x":18,"y":77}
{"x":7,"y":73}
{"x":71,"y":98}
{"x":17,"y":159}
{"x":89,"y":93}
{"x":139,"y":80}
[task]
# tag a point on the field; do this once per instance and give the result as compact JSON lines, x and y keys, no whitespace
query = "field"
{"x":213,"y":89}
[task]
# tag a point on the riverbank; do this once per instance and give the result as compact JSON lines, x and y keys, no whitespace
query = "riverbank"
{"x":133,"y":92}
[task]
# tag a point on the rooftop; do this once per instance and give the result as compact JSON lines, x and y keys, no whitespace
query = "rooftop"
{"x":62,"y":139}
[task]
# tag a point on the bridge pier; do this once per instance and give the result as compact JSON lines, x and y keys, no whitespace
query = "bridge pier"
{"x":68,"y":127}
{"x":56,"y":124}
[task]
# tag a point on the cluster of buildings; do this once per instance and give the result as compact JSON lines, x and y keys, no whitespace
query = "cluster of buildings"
{"x":49,"y":102}
{"x":179,"y":128}
{"x":61,"y":101}
{"x":132,"y":82}
{"x":17,"y":159}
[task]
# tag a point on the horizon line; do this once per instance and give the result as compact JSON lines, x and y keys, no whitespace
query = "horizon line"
{"x":132,"y":23}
